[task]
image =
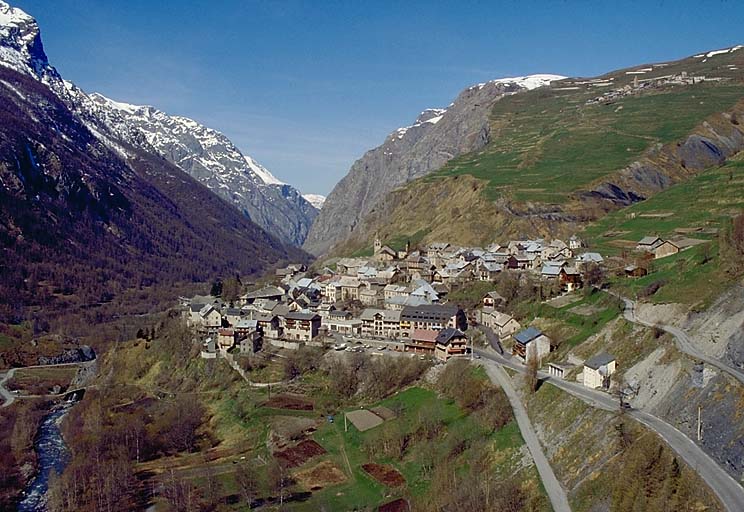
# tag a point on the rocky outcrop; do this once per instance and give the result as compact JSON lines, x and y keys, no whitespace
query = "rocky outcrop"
{"x":73,"y":355}
{"x":713,"y":142}
{"x":437,"y":136}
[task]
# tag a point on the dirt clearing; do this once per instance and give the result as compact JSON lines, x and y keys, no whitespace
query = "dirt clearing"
{"x":292,"y":427}
{"x":291,"y":402}
{"x":319,"y":476}
{"x":386,"y":475}
{"x":586,"y":310}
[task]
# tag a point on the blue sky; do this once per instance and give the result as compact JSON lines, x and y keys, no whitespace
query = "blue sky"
{"x":306,"y":87}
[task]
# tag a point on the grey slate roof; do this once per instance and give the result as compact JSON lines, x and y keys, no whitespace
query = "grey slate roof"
{"x":527,"y":335}
{"x":445,"y":336}
{"x":649,"y":240}
{"x":437,"y":312}
{"x":599,"y":360}
{"x":296,"y":315}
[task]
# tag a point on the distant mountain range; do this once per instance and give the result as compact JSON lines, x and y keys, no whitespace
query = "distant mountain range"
{"x":94,"y":200}
{"x":436,"y":136}
{"x":206,"y":154}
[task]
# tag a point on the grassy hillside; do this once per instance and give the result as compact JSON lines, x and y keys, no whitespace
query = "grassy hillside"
{"x":555,"y":152}
{"x":548,"y":143}
{"x":699,"y":209}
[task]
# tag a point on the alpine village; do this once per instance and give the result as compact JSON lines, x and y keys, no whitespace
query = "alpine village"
{"x":529,"y":300}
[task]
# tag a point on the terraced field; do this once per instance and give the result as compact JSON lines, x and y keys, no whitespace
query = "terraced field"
{"x":549,"y":143}
{"x":698,"y":209}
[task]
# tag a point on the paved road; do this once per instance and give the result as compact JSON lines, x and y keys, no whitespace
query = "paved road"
{"x":683,"y":340}
{"x":8,"y":397}
{"x":728,"y":490}
{"x":553,"y":487}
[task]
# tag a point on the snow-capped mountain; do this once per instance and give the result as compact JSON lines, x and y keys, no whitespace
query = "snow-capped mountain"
{"x":315,"y":199}
{"x":436,"y":136}
{"x":204,"y":153}
{"x":211,"y":158}
{"x":20,"y":43}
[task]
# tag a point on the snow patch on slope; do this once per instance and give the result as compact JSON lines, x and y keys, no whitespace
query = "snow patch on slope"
{"x":262,"y":172}
{"x":528,"y":82}
{"x":722,"y":51}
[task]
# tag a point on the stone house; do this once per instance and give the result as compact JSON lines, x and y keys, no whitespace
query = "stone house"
{"x":422,"y":341}
{"x":301,"y":326}
{"x":269,"y":324}
{"x":503,"y":324}
{"x":598,"y":370}
{"x":666,"y":248}
{"x":493,"y":300}
{"x":531,"y":343}
{"x":226,"y":338}
{"x":211,"y":318}
{"x":450,"y":342}
{"x":381,"y":323}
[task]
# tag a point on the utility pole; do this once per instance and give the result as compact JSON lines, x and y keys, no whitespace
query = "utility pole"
{"x":700,"y":425}
{"x":346,"y":424}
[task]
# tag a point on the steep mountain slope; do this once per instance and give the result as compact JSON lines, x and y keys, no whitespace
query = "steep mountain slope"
{"x":206,"y":154}
{"x":89,"y":224}
{"x":564,"y":155}
{"x":437,"y":136}
{"x":212,"y":159}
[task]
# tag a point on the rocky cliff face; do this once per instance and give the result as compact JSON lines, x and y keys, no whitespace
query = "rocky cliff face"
{"x":205,"y":154}
{"x":437,"y":136}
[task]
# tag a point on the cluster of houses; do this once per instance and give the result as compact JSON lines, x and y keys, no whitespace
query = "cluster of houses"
{"x":640,"y":85}
{"x":395,"y":296}
{"x":394,"y":279}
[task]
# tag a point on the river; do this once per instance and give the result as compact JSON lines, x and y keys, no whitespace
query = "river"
{"x":52,"y":455}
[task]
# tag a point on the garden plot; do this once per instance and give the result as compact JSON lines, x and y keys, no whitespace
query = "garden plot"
{"x":298,"y":455}
{"x":321,"y":475}
{"x":385,"y":474}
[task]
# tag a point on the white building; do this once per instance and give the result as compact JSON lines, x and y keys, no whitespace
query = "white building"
{"x":598,"y":370}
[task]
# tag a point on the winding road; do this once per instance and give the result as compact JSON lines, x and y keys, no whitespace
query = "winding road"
{"x":728,"y":490}
{"x":11,"y":397}
{"x":683,"y":341}
{"x":556,"y":492}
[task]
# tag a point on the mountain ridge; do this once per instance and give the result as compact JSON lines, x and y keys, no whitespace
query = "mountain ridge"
{"x":435,"y":137}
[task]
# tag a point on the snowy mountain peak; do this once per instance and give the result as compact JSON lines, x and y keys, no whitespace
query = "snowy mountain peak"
{"x":20,"y":42}
{"x":315,"y":199}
